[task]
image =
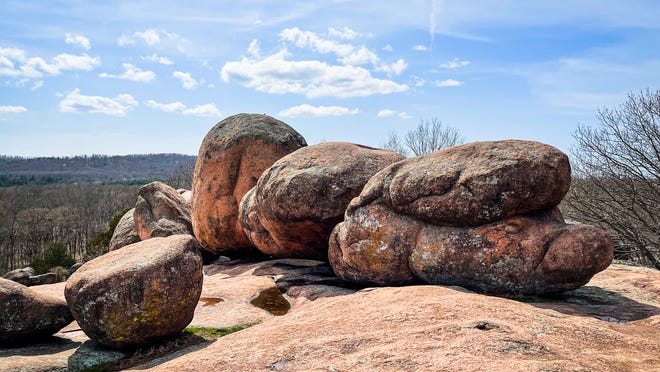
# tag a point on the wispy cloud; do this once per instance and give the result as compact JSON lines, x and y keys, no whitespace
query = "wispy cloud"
{"x":12,"y":109}
{"x":131,"y":73}
{"x":388,"y":113}
{"x":152,"y":38}
{"x":388,"y":48}
{"x":205,"y":110}
{"x":186,"y":79}
{"x":78,"y":40}
{"x":310,"y":111}
{"x":117,"y":106}
{"x":158,"y":59}
{"x":447,"y":83}
{"x":37,"y":85}
{"x":420,"y":48}
{"x":454,"y":64}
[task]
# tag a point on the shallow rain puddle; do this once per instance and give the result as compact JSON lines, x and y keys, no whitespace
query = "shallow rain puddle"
{"x":210,"y":301}
{"x":271,"y":300}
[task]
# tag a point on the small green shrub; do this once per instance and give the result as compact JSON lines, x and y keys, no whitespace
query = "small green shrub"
{"x":215,"y":332}
{"x":101,"y":242}
{"x":55,"y":255}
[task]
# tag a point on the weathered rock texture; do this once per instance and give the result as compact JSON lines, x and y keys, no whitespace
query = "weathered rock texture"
{"x":125,"y":232}
{"x":478,"y":215}
{"x":231,"y":159}
{"x":28,"y":316}
{"x":429,"y":328}
{"x":20,"y":275}
{"x":610,"y":325}
{"x":301,"y":197}
{"x":138,"y":294}
{"x":161,"y":211}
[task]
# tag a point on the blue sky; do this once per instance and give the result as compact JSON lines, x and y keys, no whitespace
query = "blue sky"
{"x":125,"y":77}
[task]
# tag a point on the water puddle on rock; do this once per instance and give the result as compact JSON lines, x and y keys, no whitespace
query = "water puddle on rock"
{"x":210,"y":301}
{"x":271,"y":300}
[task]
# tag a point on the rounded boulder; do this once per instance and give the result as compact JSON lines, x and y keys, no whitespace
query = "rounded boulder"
{"x":27,"y":315}
{"x":138,"y":294}
{"x":301,"y":197}
{"x":232,"y":157}
{"x":125,"y":232}
{"x":161,"y":211}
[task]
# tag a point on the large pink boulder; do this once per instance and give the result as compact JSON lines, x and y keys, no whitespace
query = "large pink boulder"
{"x":480,"y":215}
{"x":231,"y":159}
{"x":299,"y":199}
{"x":138,"y":294}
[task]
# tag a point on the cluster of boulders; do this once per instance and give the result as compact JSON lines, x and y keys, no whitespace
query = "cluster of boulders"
{"x":482,"y":215}
{"x":27,"y":277}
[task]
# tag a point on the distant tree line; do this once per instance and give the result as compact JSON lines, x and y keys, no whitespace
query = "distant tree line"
{"x":34,"y":217}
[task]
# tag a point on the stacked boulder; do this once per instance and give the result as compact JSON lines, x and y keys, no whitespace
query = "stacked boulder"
{"x":231,"y":159}
{"x":138,"y":294}
{"x":27,"y":315}
{"x":482,"y":216}
{"x":301,"y":197}
{"x":161,"y":211}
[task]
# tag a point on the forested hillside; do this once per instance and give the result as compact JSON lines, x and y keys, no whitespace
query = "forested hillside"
{"x":69,"y":201}
{"x":94,"y":168}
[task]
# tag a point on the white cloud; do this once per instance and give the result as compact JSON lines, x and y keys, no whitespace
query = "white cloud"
{"x":188,"y":81}
{"x":254,"y":49}
{"x":347,"y":54}
{"x":346,"y":33}
{"x":395,"y":68}
{"x":454,"y":64}
{"x":131,"y":73}
{"x":78,"y":40}
{"x":386,"y":113}
{"x":447,"y":83}
{"x":388,"y":48}
{"x":158,"y":59}
{"x":419,"y":82}
{"x":118,"y":106}
{"x":275,"y":74}
{"x":153,"y":38}
{"x":12,"y":109}
{"x":37,"y":84}
{"x":317,"y":112}
{"x":150,"y":36}
{"x":15,"y":63}
{"x":206,"y":110}
{"x":420,"y":48}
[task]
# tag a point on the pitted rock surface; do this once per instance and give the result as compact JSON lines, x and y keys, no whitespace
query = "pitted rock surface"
{"x":301,"y":197}
{"x":138,"y":294}
{"x":27,"y":315}
{"x":479,"y":215}
{"x":231,"y":159}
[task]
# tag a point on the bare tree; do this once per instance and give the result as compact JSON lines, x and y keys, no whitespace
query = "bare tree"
{"x":182,"y":175}
{"x":617,"y":176}
{"x":429,"y":136}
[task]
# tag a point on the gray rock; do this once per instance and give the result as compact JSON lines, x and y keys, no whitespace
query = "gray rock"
{"x":125,"y":232}
{"x":28,"y":316}
{"x":20,"y":275}
{"x":161,"y":211}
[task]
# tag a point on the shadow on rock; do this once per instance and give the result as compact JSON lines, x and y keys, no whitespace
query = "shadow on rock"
{"x":597,"y":302}
{"x":94,"y":356}
{"x":45,"y":346}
